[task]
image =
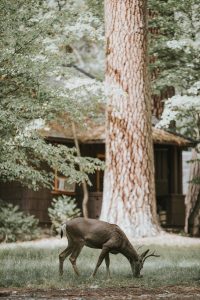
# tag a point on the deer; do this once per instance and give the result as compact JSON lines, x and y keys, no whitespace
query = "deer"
{"x":98,"y":234}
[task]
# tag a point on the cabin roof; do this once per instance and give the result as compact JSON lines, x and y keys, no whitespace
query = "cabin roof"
{"x":95,"y":133}
{"x":161,"y":136}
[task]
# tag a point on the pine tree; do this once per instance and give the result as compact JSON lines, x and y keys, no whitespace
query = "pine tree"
{"x":129,"y":189}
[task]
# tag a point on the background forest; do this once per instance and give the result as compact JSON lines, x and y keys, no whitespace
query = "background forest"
{"x":53,"y":66}
{"x":53,"y":51}
{"x":57,"y":67}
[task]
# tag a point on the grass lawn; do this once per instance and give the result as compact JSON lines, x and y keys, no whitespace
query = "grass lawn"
{"x":25,"y":266}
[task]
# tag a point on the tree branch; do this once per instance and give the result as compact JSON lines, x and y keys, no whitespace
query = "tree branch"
{"x":84,"y":184}
{"x":81,"y":71}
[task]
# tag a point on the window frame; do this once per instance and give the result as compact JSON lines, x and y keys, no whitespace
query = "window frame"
{"x":56,"y":190}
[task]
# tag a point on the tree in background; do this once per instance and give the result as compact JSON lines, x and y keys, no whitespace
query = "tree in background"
{"x":185,"y":110}
{"x":38,"y":87}
{"x":129,"y":188}
{"x":50,"y":54}
{"x":176,"y":48}
{"x":175,"y":44}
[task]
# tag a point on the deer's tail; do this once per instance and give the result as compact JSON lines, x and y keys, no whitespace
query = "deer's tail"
{"x":63,"y":230}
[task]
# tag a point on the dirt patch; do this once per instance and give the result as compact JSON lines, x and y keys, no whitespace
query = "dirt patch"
{"x":121,"y":293}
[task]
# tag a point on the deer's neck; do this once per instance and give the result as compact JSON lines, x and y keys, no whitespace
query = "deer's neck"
{"x":130,"y":252}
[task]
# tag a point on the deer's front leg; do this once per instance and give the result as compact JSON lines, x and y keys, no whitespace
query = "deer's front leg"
{"x":103,"y":254}
{"x":107,"y":260}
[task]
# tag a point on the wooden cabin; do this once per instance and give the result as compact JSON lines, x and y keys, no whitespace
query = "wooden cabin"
{"x":168,"y":177}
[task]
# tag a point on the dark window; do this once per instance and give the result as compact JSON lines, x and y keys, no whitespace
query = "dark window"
{"x":161,"y":171}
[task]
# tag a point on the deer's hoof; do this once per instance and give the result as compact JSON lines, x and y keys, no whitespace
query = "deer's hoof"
{"x":92,"y":276}
{"x":139,"y":276}
{"x":108,"y":279}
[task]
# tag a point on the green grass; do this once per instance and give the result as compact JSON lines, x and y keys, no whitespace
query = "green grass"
{"x":38,"y":268}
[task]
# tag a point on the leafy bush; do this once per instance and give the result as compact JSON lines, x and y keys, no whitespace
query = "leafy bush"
{"x":63,"y":208}
{"x":16,"y":225}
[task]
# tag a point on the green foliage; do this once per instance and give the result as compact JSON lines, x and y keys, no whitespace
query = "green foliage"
{"x":16,"y":225}
{"x":42,"y":43}
{"x":37,"y":86}
{"x":63,"y":208}
{"x":185,"y":110}
{"x":176,"y":46}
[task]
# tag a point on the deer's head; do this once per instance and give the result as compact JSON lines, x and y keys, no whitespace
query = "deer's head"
{"x":138,"y":265}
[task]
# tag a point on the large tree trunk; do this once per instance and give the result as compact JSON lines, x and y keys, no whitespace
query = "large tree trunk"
{"x":129,"y":188}
{"x":192,"y":196}
{"x":192,"y":199}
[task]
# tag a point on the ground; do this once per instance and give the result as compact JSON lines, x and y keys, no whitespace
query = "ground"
{"x":122,"y":293}
{"x":30,"y":271}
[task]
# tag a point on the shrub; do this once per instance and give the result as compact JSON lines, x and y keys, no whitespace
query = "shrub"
{"x":63,"y":208}
{"x":16,"y":225}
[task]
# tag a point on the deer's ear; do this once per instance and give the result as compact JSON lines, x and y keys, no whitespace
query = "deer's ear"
{"x":144,"y":254}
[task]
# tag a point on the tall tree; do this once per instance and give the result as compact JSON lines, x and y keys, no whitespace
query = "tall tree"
{"x":192,"y":197}
{"x":178,"y":59}
{"x":129,"y":188}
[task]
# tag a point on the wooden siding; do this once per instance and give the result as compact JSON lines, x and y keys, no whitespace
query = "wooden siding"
{"x":32,"y":202}
{"x":168,"y":168}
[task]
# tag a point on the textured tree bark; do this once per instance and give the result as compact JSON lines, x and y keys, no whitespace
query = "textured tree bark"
{"x":129,"y":188}
{"x":192,"y":195}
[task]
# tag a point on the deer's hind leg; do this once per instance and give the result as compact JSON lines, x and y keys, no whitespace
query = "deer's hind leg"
{"x":62,"y":257}
{"x":75,"y":253}
{"x":107,"y":261}
{"x":64,"y":254}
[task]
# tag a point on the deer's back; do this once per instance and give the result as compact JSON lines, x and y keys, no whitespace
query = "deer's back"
{"x":94,"y":232}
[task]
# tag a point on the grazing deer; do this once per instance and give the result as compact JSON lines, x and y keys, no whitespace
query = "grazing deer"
{"x":97,"y":234}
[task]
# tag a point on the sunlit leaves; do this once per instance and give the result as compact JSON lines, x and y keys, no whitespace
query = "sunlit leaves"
{"x":176,"y":43}
{"x":38,"y":85}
